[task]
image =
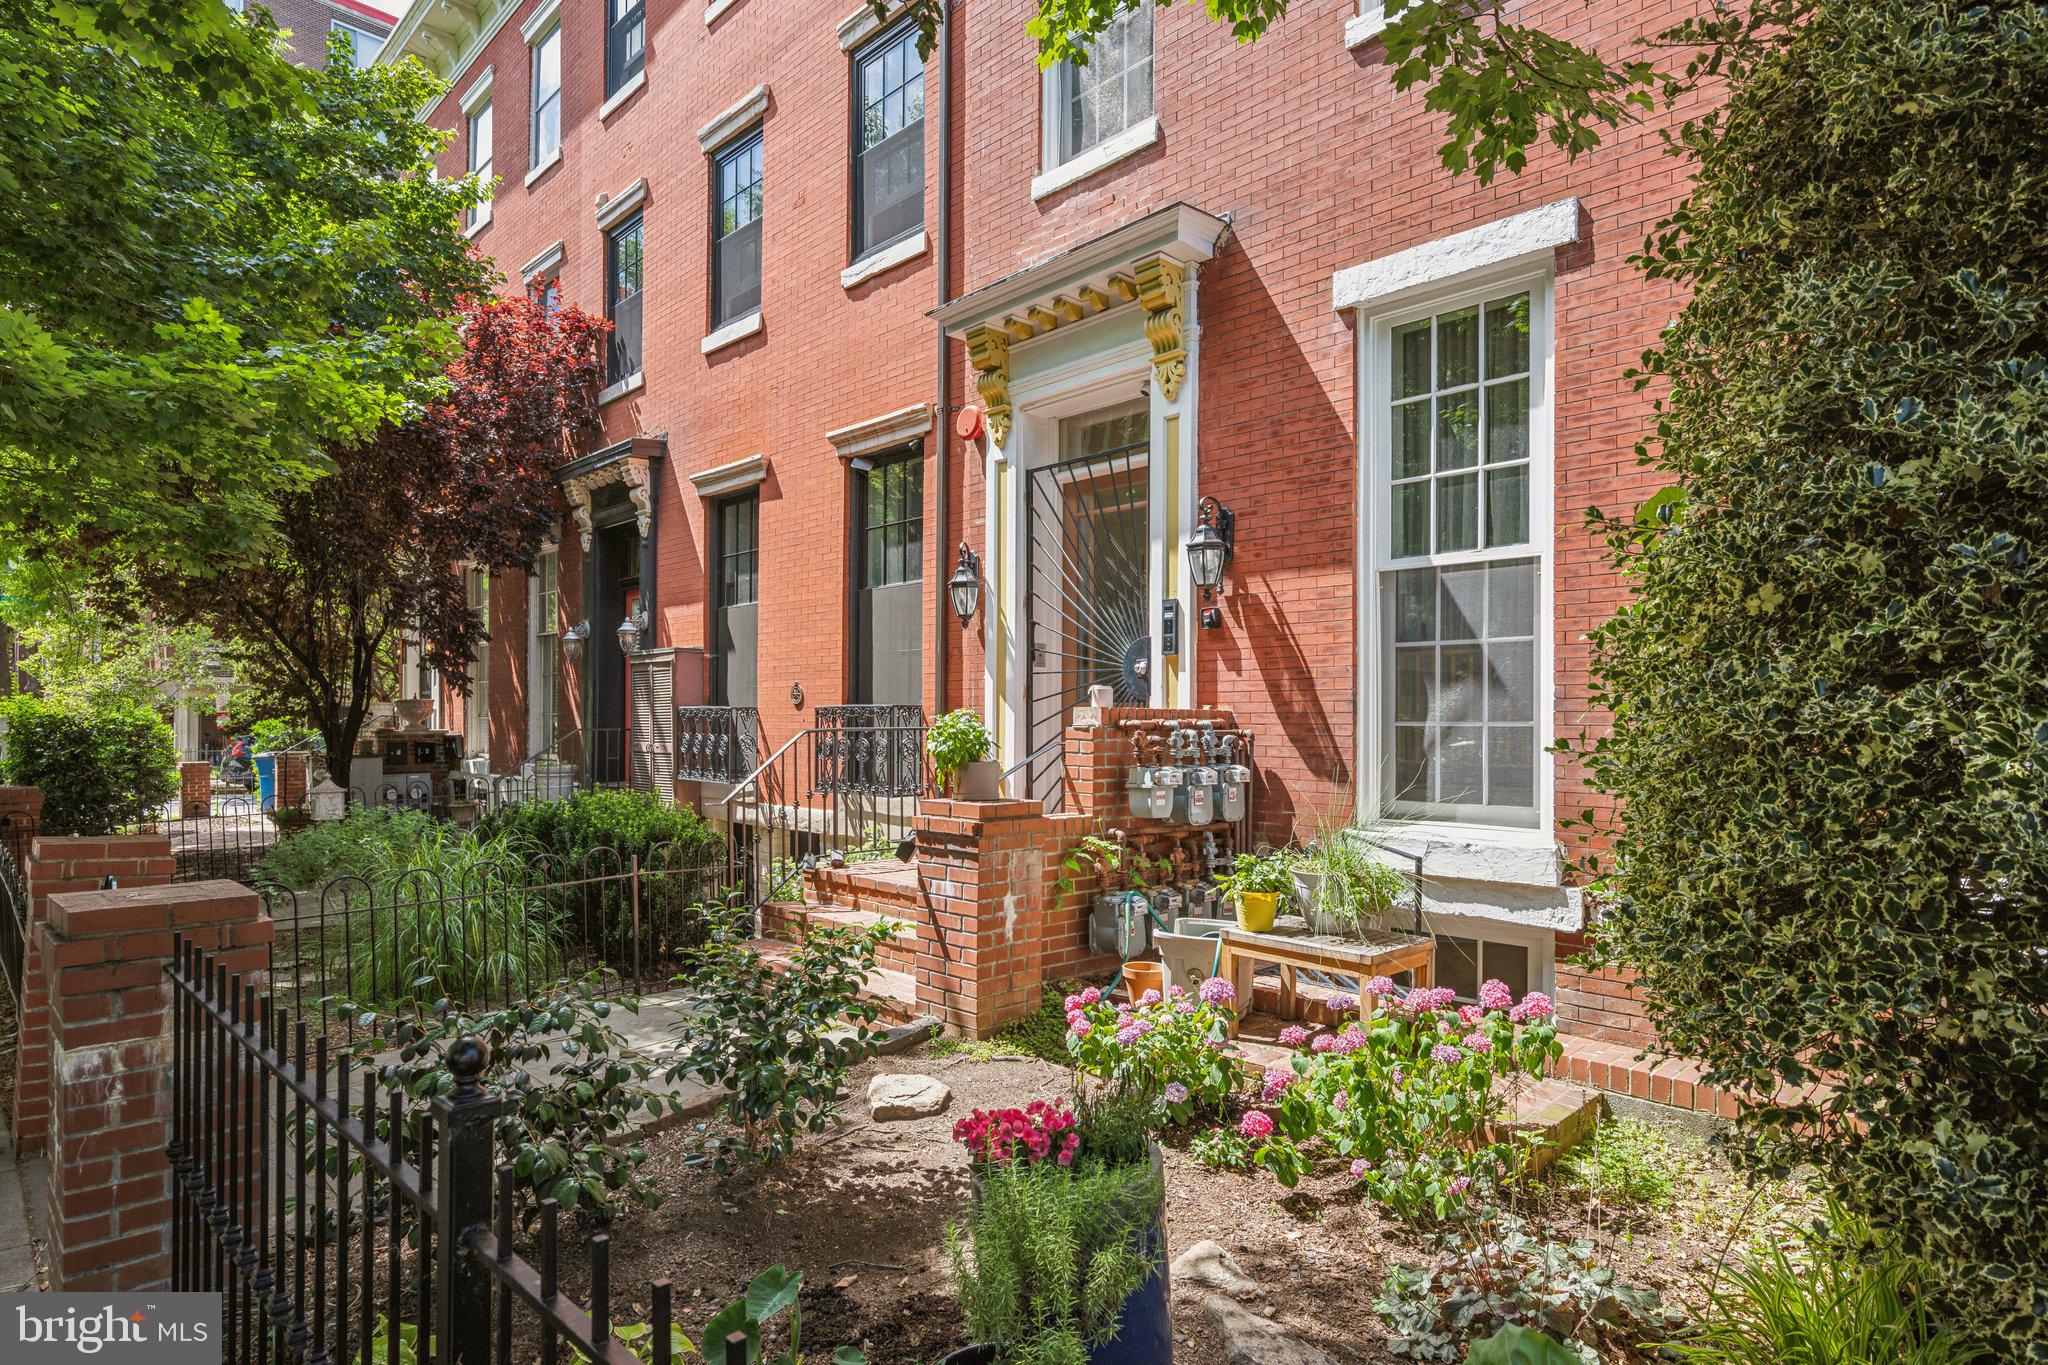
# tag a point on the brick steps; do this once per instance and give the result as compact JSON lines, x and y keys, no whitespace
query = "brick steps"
{"x":894,"y":993}
{"x":791,"y":921}
{"x":888,"y":886}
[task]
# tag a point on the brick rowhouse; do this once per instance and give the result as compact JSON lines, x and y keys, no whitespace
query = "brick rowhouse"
{"x":1327,"y":211}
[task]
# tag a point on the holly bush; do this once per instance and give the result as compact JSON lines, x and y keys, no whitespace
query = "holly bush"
{"x":1830,"y":710}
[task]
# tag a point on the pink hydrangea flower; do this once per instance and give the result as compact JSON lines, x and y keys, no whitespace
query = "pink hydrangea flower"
{"x":1352,"y":1039}
{"x":1217,"y":1045}
{"x":1380,"y":987}
{"x":1535,"y":1005}
{"x":1091,"y":996}
{"x":1277,"y":1080}
{"x":1075,"y":1017}
{"x":1128,"y":1035}
{"x":1255,"y":1125}
{"x":1184,"y":1007}
{"x":1446,"y":1054}
{"x":1149,"y":998}
{"x":1360,"y":1168}
{"x":1340,"y":1101}
{"x":1399,"y":1076}
{"x":1141,"y":1027}
{"x":1080,"y":1026}
{"x":1325,"y":1042}
{"x":1176,"y":1093}
{"x":1175,"y":993}
{"x":1294,"y":1035}
{"x":1477,"y":1042}
{"x":1073,"y":1003}
{"x":1495,"y":995}
{"x":1469,"y":1015}
{"x":1217,"y":991}
{"x":1343,"y":1004}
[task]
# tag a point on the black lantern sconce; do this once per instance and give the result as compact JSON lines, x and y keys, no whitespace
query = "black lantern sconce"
{"x":1209,"y":552}
{"x":964,"y":587}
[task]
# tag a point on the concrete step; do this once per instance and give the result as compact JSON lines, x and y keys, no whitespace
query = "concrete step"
{"x":790,"y":921}
{"x":894,"y":993}
{"x":888,"y":885}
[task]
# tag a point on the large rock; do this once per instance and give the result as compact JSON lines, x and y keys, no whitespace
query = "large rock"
{"x":906,"y":1096}
{"x":1207,"y":1265}
{"x":1249,"y":1339}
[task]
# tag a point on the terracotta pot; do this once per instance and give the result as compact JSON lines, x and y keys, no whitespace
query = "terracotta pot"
{"x":1256,"y":911}
{"x":1140,"y":977}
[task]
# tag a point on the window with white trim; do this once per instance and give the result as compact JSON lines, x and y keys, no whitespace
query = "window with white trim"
{"x":545,"y":142}
{"x":476,"y":710}
{"x":363,"y":45}
{"x":1462,"y":629}
{"x":888,"y":146}
{"x":1093,"y":101}
{"x":480,"y":162}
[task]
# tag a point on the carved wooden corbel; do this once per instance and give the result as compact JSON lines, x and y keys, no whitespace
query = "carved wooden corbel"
{"x":1160,"y":289}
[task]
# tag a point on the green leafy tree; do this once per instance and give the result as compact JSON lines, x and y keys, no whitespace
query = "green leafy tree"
{"x":211,"y":262}
{"x":1830,"y":714}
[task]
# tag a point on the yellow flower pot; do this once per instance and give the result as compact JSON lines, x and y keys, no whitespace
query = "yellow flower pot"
{"x":1256,"y":911}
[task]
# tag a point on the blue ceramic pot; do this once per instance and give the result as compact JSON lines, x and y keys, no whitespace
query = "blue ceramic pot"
{"x":1144,"y":1332}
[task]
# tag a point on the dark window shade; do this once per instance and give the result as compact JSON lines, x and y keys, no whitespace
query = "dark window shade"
{"x":623,"y":298}
{"x":738,"y":269}
{"x":888,"y":182}
{"x":625,"y":43}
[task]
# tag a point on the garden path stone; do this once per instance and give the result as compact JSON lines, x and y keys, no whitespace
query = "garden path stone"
{"x":1249,"y":1339}
{"x":906,"y":1096}
{"x":1207,"y":1265}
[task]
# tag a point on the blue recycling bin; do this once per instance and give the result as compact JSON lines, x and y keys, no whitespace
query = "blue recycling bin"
{"x":266,"y":781}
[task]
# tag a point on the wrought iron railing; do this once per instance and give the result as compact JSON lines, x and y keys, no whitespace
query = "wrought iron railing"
{"x":847,"y":787}
{"x":717,"y":743}
{"x":17,"y":833}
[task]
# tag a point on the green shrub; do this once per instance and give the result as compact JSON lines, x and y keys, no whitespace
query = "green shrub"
{"x":572,"y":1087}
{"x":1830,"y":732}
{"x":1627,"y":1161}
{"x":1833,"y":1299}
{"x":453,"y":917}
{"x":269,"y":736}
{"x":606,"y":825}
{"x":365,"y":840}
{"x":1056,"y":1251}
{"x":777,"y":1044}
{"x":99,"y":769}
{"x":955,"y":740}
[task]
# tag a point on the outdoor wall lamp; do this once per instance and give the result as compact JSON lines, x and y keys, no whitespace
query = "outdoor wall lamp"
{"x":629,"y":634}
{"x":1209,"y":552}
{"x":964,"y":587}
{"x":573,"y":638}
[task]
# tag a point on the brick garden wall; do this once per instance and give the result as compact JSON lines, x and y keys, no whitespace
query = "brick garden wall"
{"x":1601,"y":1004}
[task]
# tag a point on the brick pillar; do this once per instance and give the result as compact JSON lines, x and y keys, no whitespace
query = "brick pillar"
{"x":58,"y":864}
{"x":22,"y":806}
{"x":195,"y":790}
{"x":103,"y":958}
{"x":996,"y":928}
{"x":291,"y":780}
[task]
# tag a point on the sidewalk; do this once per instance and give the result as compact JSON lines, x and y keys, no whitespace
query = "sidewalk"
{"x":17,"y":1251}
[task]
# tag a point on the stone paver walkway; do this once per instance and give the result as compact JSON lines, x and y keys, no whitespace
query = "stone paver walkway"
{"x":17,"y":1250}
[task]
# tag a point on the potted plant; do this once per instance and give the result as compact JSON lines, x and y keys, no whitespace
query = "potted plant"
{"x":1340,"y":886}
{"x":1063,"y":1256}
{"x":960,"y":745}
{"x":1255,"y":887}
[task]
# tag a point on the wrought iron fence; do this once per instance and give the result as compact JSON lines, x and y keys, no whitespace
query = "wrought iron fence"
{"x":17,"y":834}
{"x":341,"y":1221}
{"x":224,"y":840}
{"x":486,"y":933}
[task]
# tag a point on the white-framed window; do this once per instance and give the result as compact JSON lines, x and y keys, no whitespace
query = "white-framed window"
{"x":363,"y":44}
{"x":545,"y":138}
{"x":1088,"y":104}
{"x":480,"y":162}
{"x":544,"y":654}
{"x":1457,"y":518}
{"x":476,"y":710}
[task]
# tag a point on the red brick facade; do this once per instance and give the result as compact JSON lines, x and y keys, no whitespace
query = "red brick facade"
{"x":1298,"y":140}
{"x":310,"y":21}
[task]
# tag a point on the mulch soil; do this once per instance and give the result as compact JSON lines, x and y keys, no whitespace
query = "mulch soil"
{"x":862,"y":1210}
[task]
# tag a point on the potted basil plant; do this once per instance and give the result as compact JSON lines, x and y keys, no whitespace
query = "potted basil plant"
{"x":960,"y":744}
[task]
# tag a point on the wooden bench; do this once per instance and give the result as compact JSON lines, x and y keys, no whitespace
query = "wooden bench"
{"x":1378,"y":952}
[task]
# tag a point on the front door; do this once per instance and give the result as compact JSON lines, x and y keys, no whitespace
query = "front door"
{"x":888,"y":550}
{"x":1088,"y":578}
{"x":736,"y":580}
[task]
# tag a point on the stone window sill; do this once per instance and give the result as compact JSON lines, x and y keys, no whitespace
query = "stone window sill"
{"x":888,"y":258}
{"x":630,"y":384}
{"x":626,"y":92}
{"x":739,"y":329}
{"x":1129,"y":142}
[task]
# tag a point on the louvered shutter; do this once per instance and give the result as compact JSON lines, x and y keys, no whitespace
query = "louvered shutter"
{"x":653,"y":756}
